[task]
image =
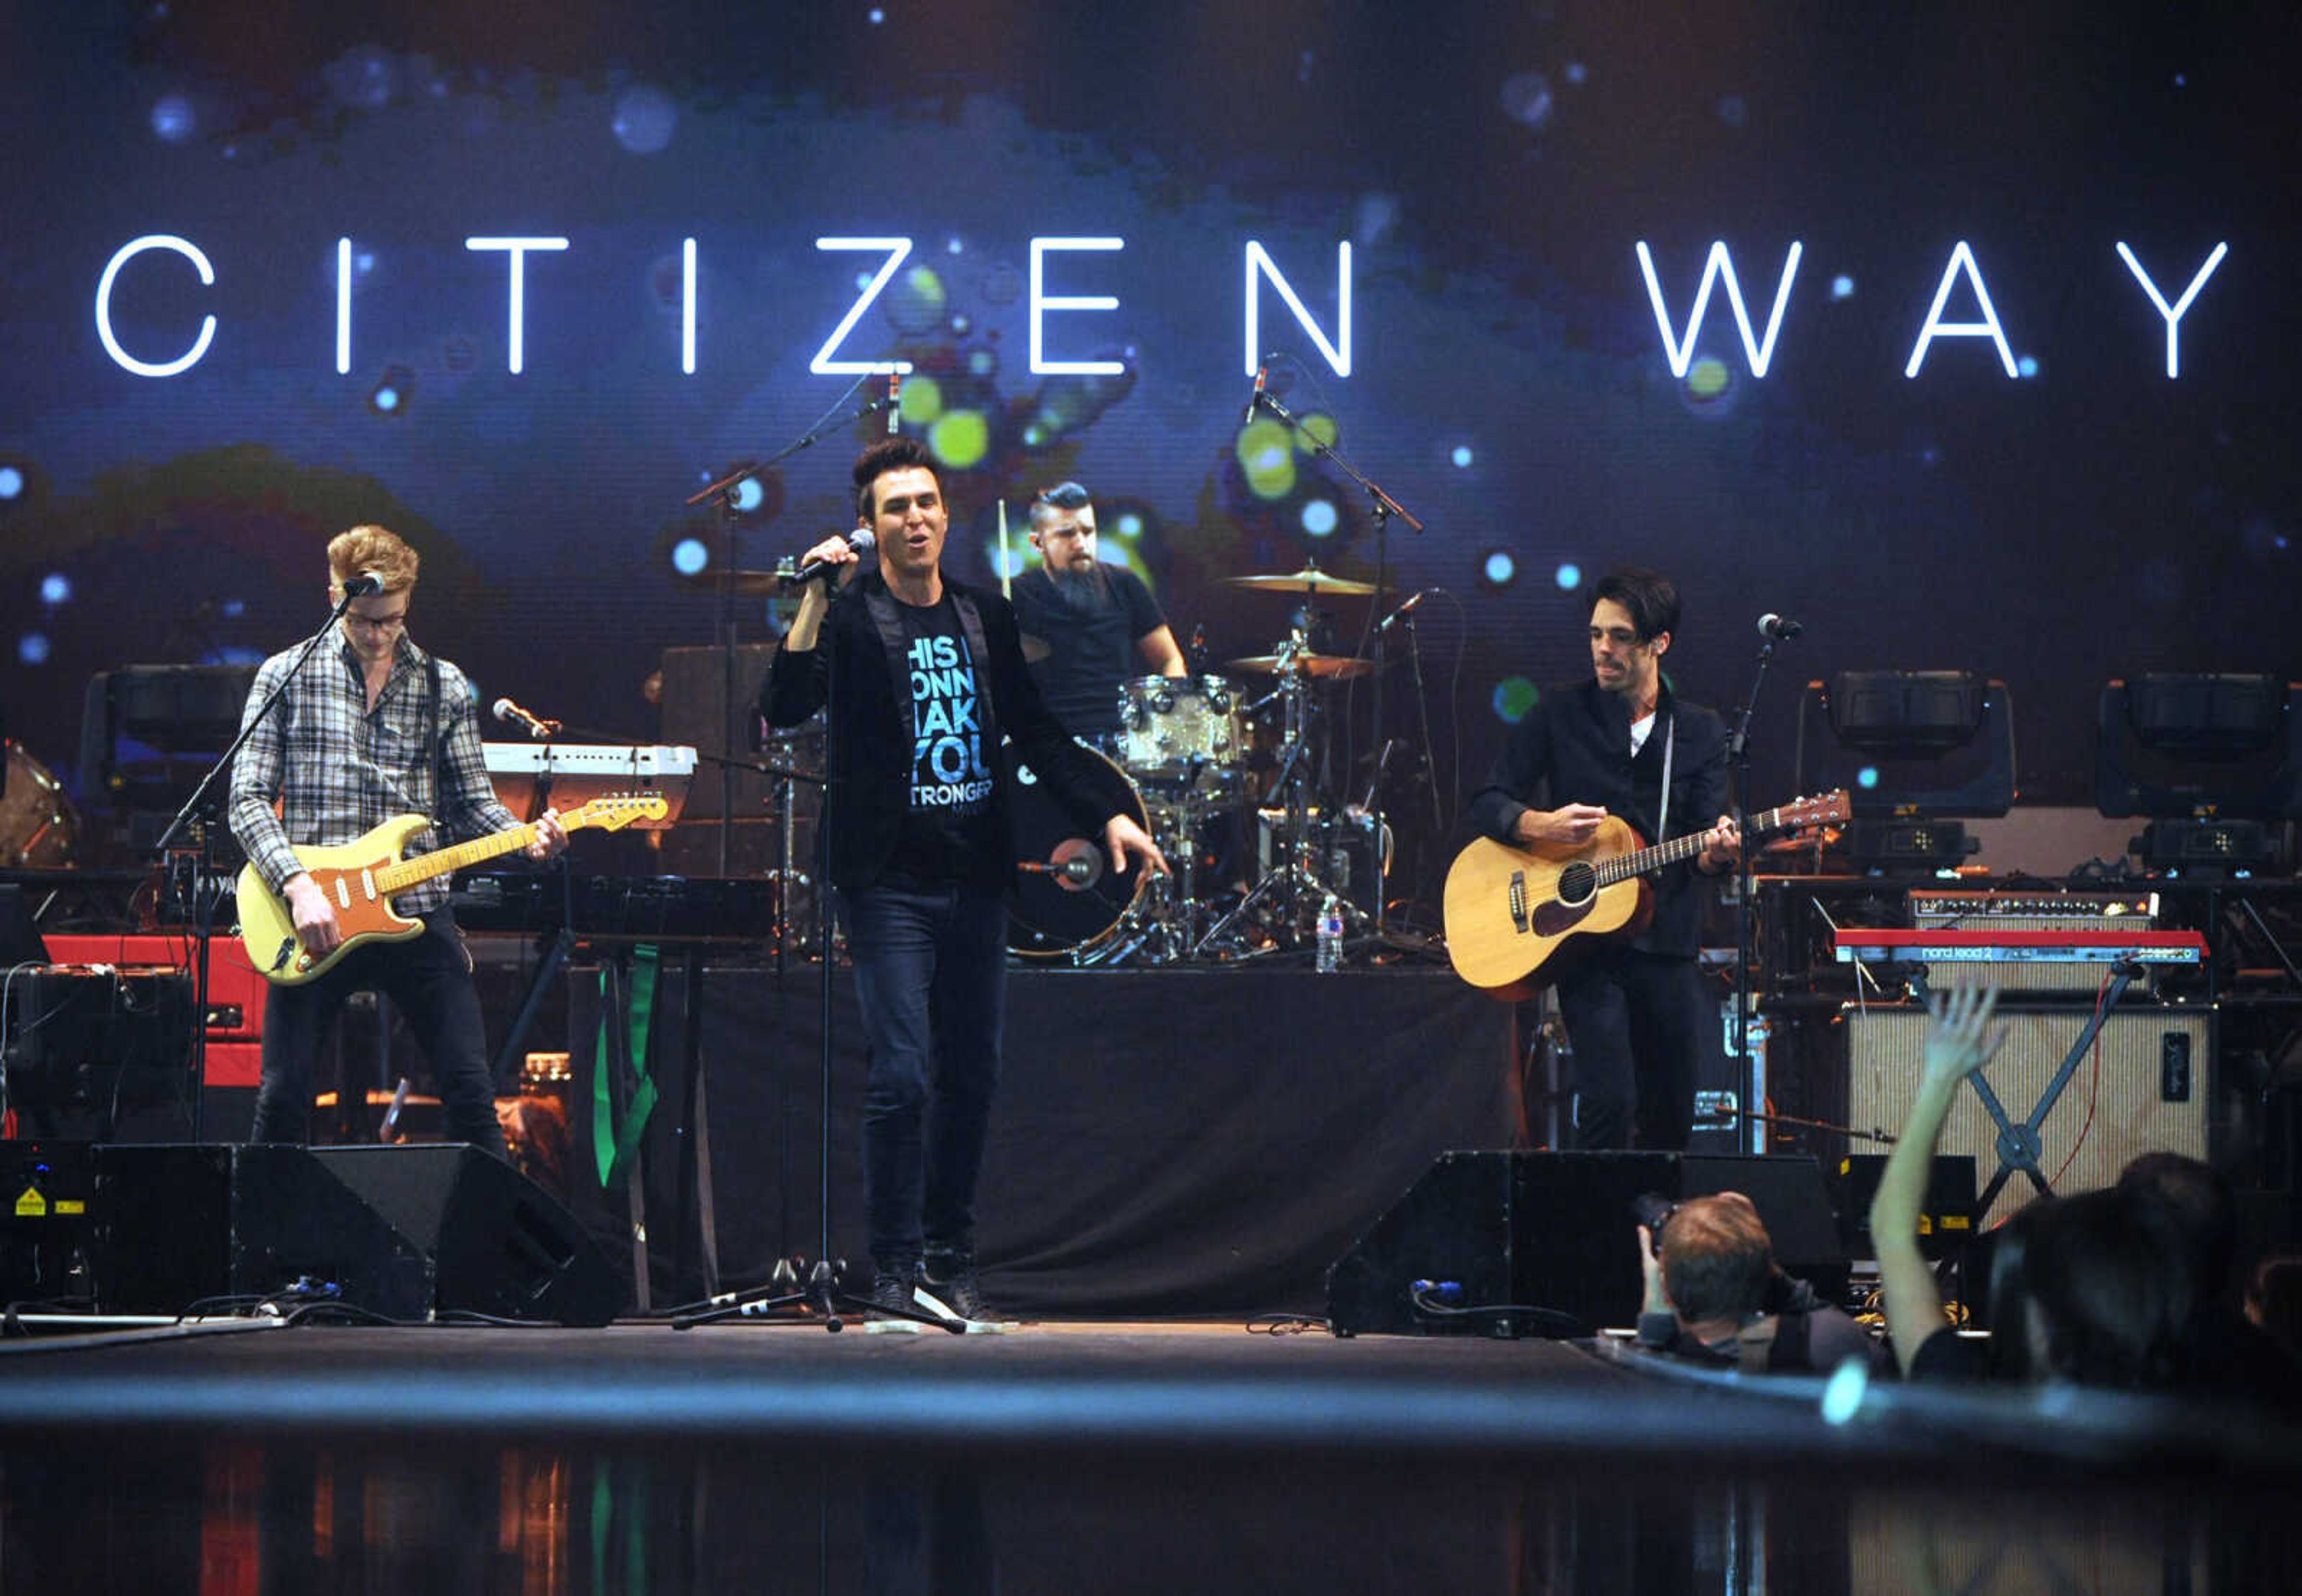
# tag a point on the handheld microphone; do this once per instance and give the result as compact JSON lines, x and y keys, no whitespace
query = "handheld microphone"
{"x":1403,"y":611}
{"x":861,"y":540}
{"x":1255,"y":399}
{"x":895,"y":403}
{"x":363,"y":584}
{"x":1779,"y":628}
{"x":1076,"y":867}
{"x":537,"y":726}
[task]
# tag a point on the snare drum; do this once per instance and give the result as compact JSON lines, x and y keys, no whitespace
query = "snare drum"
{"x":1180,"y":729}
{"x":1055,"y":916}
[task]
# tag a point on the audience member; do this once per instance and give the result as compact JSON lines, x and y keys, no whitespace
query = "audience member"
{"x":2274,"y":1299}
{"x":2119,"y":1288}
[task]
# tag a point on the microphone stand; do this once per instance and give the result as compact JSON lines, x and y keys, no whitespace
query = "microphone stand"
{"x":200,"y":808}
{"x":1384,"y":507}
{"x":1738,"y":751}
{"x":822,"y":1293}
{"x":722,"y":493}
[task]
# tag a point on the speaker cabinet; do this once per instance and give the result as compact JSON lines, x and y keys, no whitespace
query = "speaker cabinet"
{"x":1555,"y":1231}
{"x":2143,"y":1087}
{"x":402,"y":1232}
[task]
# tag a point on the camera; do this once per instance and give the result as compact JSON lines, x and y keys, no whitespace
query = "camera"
{"x":1653,"y":1211}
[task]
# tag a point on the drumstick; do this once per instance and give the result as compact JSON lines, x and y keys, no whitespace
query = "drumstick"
{"x":1006,"y":586}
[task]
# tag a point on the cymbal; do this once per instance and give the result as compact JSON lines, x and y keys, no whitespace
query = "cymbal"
{"x":1310,"y":579}
{"x":1331,"y":666}
{"x":1036,"y":648}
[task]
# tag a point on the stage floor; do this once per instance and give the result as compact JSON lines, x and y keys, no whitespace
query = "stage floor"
{"x":1077,"y":1456}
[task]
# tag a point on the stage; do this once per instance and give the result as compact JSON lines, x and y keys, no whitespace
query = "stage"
{"x":1079,"y":1456}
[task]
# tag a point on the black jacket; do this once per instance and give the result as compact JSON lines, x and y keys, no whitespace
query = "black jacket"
{"x":870,"y":737}
{"x":1575,"y":747}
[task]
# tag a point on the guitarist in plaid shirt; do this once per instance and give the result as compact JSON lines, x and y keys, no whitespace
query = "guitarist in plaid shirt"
{"x":372,"y":728}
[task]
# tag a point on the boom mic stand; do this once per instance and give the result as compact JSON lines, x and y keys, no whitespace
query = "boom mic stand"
{"x":722,"y":493}
{"x":1384,"y":507}
{"x":1738,"y":750}
{"x":200,"y":808}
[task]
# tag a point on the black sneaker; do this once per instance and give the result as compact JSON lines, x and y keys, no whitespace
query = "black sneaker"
{"x":952,"y":1282}
{"x":892,"y":1291}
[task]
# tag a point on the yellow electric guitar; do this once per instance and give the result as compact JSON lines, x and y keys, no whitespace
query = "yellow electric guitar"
{"x":1508,"y":909}
{"x":362,"y":878}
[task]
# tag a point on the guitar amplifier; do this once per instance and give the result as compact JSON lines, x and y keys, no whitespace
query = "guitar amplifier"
{"x":2143,"y":1087}
{"x":97,"y":1038}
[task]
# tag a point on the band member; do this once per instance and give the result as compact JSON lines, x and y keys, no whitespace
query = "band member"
{"x":371,"y":727}
{"x":924,"y":677}
{"x":1634,"y":1009}
{"x":1100,"y":623}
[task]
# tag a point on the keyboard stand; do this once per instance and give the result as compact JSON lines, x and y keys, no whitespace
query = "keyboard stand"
{"x":2019,"y":1145}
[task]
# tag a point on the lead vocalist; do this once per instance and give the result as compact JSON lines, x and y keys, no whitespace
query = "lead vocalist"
{"x":925,"y":675}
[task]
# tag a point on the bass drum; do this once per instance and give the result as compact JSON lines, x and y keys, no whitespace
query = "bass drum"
{"x":1068,"y":900}
{"x":40,"y":828}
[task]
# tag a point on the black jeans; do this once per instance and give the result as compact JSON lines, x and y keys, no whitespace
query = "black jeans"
{"x":931,"y":977}
{"x":1636,"y":1022}
{"x":429,"y":980}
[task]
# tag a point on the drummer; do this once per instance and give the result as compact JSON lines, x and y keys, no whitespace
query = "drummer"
{"x":1099,"y":625}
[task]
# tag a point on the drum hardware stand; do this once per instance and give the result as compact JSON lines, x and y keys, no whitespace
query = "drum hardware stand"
{"x":1382,"y":507}
{"x":1297,"y":882}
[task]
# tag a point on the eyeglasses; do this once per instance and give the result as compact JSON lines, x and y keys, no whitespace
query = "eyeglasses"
{"x":377,"y":623}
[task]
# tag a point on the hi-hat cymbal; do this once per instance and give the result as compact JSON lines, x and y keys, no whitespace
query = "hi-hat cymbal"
{"x":1331,"y":666}
{"x":1310,"y":579}
{"x":1036,"y":648}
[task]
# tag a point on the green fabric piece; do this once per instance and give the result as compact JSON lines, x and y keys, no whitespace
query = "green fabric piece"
{"x":612,"y":1146}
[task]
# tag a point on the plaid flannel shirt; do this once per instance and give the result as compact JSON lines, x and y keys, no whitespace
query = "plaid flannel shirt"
{"x":338,"y":771}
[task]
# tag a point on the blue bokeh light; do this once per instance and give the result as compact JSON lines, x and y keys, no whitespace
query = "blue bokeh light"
{"x":1842,"y":287}
{"x":1867,"y":778}
{"x":1499,"y":567}
{"x":55,"y":588}
{"x":1319,"y":518}
{"x":1569,"y":577}
{"x":174,"y":120}
{"x":690,"y":556}
{"x":748,"y":495}
{"x":12,"y":482}
{"x":1462,"y":455}
{"x":33,"y":648}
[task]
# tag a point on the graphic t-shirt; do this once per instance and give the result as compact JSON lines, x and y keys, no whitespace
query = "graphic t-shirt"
{"x":949,"y":836}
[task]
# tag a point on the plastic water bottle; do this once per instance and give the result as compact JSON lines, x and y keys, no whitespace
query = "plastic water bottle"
{"x":1330,"y":936}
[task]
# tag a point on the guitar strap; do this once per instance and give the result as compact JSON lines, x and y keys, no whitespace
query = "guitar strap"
{"x":433,"y":741}
{"x":1669,"y":743}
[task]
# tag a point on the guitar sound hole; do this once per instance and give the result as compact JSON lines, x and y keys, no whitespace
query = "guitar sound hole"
{"x":1577,"y":884}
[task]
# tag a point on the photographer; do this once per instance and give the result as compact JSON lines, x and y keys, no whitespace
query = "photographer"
{"x":1715,"y":1296}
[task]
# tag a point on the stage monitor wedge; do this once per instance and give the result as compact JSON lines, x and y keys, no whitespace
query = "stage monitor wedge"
{"x":1553,"y":1232}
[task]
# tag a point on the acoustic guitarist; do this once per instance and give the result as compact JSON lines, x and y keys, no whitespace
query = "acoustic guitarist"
{"x":1598,"y":752}
{"x":372,"y":728}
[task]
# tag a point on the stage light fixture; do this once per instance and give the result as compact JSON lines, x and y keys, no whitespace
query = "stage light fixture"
{"x":1912,"y":749}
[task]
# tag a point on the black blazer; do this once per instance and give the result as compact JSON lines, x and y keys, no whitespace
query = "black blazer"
{"x":870,"y":750}
{"x":1575,"y":745}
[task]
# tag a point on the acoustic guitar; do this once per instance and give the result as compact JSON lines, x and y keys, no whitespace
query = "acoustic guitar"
{"x":1509,"y":909}
{"x":361,"y":878}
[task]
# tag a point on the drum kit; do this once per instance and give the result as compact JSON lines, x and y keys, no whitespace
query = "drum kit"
{"x":1201,"y":764}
